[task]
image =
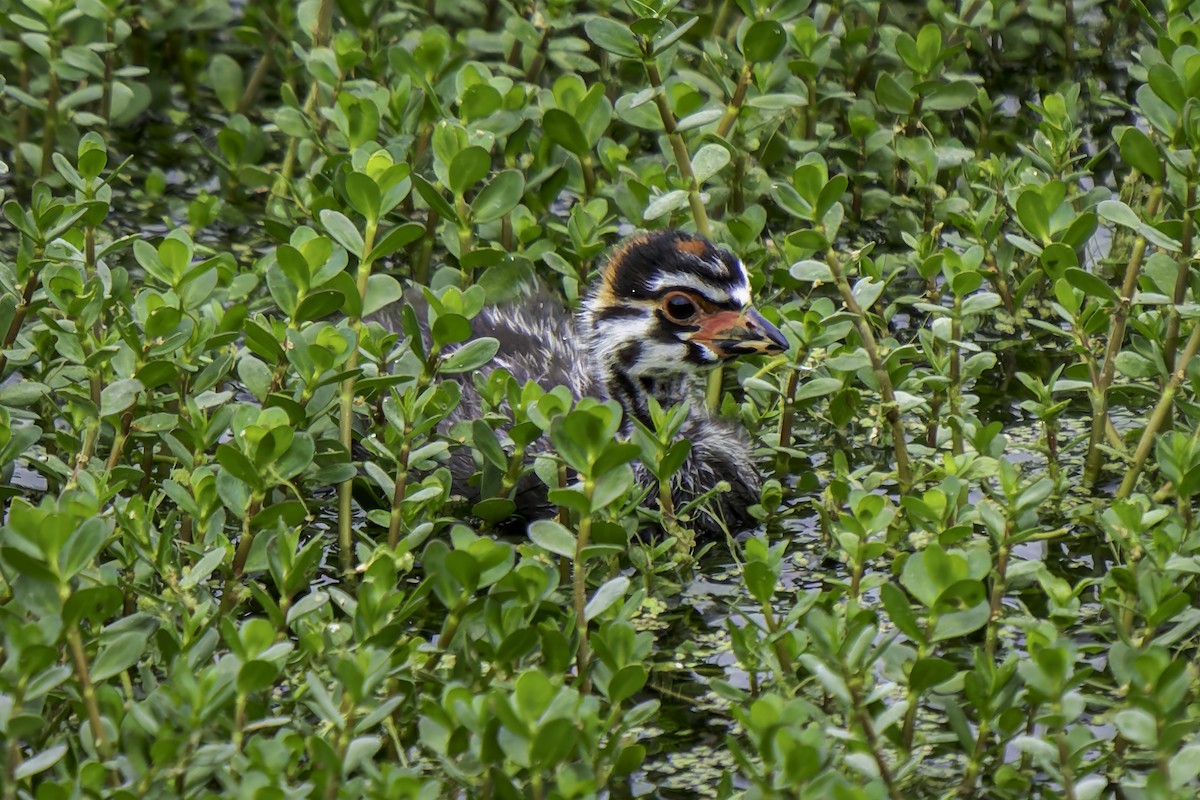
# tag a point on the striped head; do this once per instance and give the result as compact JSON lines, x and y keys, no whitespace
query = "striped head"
{"x":669,"y":305}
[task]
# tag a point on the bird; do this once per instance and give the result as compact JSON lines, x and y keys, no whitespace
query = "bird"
{"x":666,"y":308}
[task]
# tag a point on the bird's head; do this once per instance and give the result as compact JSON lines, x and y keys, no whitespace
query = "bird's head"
{"x":668,"y":305}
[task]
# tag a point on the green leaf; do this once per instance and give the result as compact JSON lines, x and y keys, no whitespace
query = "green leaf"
{"x":227,"y":81}
{"x":866,"y":291}
{"x":565,"y":131}
{"x":952,"y":96}
{"x":500,"y":196}
{"x":433,"y":198}
{"x":472,"y":355}
{"x":760,"y":580}
{"x":789,"y":200}
{"x":929,"y":672}
{"x":764,"y":41}
{"x":1139,"y":152}
{"x":811,"y":270}
{"x":236,"y":463}
{"x":119,"y":396}
{"x":893,"y":96}
{"x":1118,"y":213}
{"x":382,"y":291}
{"x":817,"y":387}
{"x":1091,"y":285}
{"x":605,"y":596}
{"x":1033,"y":215}
{"x":708,"y":161}
{"x":666,"y":203}
{"x":468,"y":168}
{"x":1135,"y":366}
{"x":342,"y":230}
{"x":626,"y":682}
{"x":551,"y":536}
{"x":363,"y":193}
{"x":929,"y":47}
{"x":662,"y":43}
{"x":393,"y":240}
{"x":613,"y":36}
{"x":1137,"y":726}
{"x":119,"y":654}
{"x":40,"y":762}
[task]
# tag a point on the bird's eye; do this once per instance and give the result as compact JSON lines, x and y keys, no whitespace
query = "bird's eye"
{"x":679,"y":307}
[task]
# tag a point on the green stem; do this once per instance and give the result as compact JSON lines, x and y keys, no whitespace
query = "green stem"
{"x":346,"y":409}
{"x":106,"y":89}
{"x":50,"y":125}
{"x":87,"y":690}
{"x":119,"y":441}
{"x":1064,"y":758}
{"x":786,"y":414}
{"x":341,"y":745}
{"x":735,"y":103}
{"x":954,"y":392}
{"x":1159,"y":415}
{"x":1171,"y":341}
{"x":14,"y":327}
{"x":579,"y":588}
{"x":320,"y":39}
{"x":863,"y":715}
{"x":785,"y":658}
{"x":683,"y":161}
{"x":890,"y":408}
{"x":1116,"y":337}
{"x":238,"y":568}
{"x":401,"y":488}
{"x":22,"y":116}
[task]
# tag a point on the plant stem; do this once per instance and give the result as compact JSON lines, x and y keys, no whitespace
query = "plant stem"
{"x":683,"y":161}
{"x":106,"y":95}
{"x":786,"y":414}
{"x":320,"y":39}
{"x":240,"y":555}
{"x":1171,"y":341}
{"x":735,"y":103}
{"x":539,"y":56}
{"x":785,"y":658}
{"x":1159,"y":415}
{"x":954,"y":392}
{"x":1064,"y":758}
{"x":88,"y":692}
{"x":1116,"y":337}
{"x":50,"y":125}
{"x":14,"y":327}
{"x":342,"y":743}
{"x":579,"y":588}
{"x":890,"y":408}
{"x":346,"y":410}
{"x":868,"y":726}
{"x":22,"y":115}
{"x":114,"y":457}
{"x":401,"y":488}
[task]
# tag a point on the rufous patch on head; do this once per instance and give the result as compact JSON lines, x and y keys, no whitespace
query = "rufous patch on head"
{"x":692,"y":247}
{"x":607,"y":294}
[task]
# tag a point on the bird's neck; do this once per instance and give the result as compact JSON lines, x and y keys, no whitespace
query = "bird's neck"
{"x":606,"y":345}
{"x":633,"y":392}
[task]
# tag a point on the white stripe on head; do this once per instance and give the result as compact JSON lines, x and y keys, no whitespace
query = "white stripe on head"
{"x":739,"y":293}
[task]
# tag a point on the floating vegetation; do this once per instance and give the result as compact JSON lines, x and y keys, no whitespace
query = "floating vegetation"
{"x":233,"y":561}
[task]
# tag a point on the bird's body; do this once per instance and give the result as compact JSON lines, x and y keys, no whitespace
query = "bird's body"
{"x":667,"y":307}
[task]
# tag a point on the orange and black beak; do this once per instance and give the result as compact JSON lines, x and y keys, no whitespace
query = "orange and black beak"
{"x":739,"y":333}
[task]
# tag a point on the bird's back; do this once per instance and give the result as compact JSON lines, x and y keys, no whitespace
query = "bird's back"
{"x":537,"y":343}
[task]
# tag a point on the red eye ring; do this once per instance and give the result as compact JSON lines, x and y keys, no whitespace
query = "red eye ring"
{"x":679,"y":307}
